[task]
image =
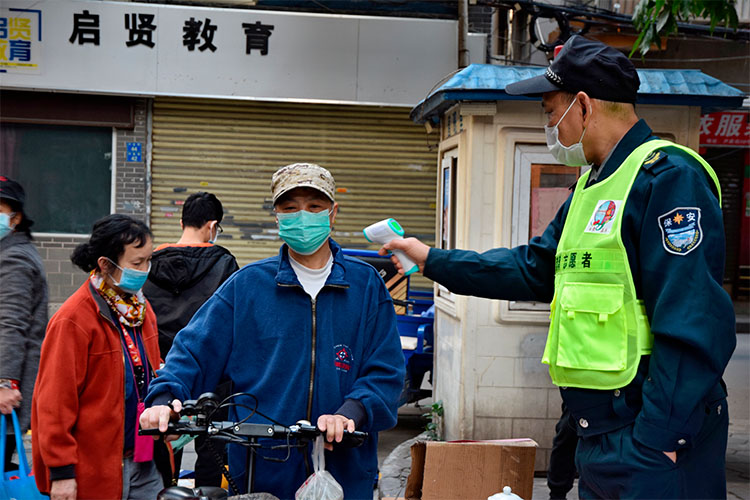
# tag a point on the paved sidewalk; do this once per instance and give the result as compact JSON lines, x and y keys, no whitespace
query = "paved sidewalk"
{"x":738,"y":460}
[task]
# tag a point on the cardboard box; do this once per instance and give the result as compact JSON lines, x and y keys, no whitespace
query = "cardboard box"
{"x":457,"y":470}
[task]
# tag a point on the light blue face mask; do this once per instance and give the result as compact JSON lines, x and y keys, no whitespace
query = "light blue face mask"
{"x":215,"y":237}
{"x":131,"y":280}
{"x":305,"y":232}
{"x":5,"y":227}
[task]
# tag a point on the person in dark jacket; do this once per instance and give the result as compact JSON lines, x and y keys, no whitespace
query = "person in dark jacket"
{"x":183,"y":276}
{"x":23,"y":309}
{"x":651,"y":416}
{"x":310,"y":332}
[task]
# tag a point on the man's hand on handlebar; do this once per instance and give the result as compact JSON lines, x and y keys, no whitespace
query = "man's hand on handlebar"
{"x":334,"y":426}
{"x":159,"y":416}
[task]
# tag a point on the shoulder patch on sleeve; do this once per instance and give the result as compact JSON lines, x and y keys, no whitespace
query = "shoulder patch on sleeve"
{"x":681,"y":230}
{"x":655,"y":158}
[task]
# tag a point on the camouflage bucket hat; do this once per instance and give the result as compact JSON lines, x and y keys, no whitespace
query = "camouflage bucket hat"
{"x":302,"y":175}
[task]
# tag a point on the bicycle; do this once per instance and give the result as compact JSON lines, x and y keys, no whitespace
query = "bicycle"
{"x":245,"y":434}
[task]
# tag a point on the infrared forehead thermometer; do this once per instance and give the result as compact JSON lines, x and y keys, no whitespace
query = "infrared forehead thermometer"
{"x":386,"y":230}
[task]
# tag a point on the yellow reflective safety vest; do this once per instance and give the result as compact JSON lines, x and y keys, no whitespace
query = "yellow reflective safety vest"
{"x":598,"y":328}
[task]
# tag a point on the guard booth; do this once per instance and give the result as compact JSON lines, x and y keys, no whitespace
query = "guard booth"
{"x":498,"y":186}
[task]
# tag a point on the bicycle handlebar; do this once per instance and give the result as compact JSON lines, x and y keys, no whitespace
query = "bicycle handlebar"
{"x":204,"y":407}
{"x":228,"y":430}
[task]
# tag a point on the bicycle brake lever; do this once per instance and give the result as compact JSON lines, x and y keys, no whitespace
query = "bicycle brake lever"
{"x":175,"y":428}
{"x":349,"y":440}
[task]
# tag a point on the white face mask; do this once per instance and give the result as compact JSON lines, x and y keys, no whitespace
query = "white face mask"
{"x":572,"y":155}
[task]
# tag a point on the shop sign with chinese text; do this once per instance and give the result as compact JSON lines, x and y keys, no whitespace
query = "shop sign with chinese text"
{"x":20,"y":40}
{"x":728,"y":128}
{"x":157,"y":49}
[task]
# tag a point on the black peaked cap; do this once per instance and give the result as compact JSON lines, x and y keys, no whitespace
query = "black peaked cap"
{"x":585,"y":65}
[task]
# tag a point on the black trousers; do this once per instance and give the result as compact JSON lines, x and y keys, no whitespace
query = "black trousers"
{"x":562,"y":468}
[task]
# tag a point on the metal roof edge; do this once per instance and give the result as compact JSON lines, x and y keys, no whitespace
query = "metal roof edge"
{"x":438,"y":102}
{"x":684,"y":94}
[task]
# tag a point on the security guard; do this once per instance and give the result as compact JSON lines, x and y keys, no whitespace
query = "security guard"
{"x":641,"y":329}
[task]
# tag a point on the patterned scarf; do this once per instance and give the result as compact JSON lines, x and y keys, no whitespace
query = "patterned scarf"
{"x":131,"y":309}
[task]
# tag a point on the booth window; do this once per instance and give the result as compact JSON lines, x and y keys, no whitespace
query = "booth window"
{"x":66,"y":172}
{"x":448,"y":168}
{"x":541,"y":186}
{"x":447,"y":178}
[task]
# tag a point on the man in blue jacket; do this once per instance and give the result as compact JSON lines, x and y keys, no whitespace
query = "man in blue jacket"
{"x":641,"y":328}
{"x":311,"y":333}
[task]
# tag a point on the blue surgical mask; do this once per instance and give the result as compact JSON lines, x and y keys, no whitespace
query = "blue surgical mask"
{"x":5,"y":227}
{"x":131,"y":280}
{"x":305,"y":232}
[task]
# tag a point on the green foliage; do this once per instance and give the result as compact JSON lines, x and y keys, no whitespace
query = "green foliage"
{"x":654,"y":19}
{"x":434,"y":425}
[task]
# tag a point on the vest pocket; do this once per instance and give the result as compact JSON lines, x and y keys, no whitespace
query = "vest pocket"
{"x":592,"y":333}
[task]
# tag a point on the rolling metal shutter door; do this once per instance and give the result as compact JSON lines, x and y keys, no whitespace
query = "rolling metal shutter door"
{"x":381,"y":162}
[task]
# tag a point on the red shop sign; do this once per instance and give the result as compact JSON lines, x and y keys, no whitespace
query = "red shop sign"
{"x":728,"y":128}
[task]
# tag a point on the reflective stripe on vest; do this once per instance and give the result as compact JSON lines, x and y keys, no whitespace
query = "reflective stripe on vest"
{"x":598,"y":328}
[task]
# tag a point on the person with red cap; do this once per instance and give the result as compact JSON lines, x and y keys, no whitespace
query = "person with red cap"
{"x":641,"y":329}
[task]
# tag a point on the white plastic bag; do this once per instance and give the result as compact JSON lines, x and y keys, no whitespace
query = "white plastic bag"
{"x":320,"y":485}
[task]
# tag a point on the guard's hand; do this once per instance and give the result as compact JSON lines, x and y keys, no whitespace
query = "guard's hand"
{"x":63,"y":489}
{"x":334,"y":426}
{"x":672,"y":455}
{"x":9,"y":399}
{"x":159,"y":416}
{"x":412,"y":247}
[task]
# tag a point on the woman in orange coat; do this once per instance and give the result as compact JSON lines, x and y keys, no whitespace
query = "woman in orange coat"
{"x":98,"y":357}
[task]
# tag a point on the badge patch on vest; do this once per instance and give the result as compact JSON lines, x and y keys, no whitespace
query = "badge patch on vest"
{"x":343,"y":358}
{"x":603,"y":218}
{"x":681,"y":230}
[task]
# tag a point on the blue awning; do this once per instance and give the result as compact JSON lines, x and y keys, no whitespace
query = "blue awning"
{"x":486,"y":82}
